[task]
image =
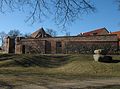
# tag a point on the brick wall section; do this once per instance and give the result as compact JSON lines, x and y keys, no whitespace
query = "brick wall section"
{"x":18,"y":49}
{"x":72,"y":44}
{"x":89,"y":47}
{"x":9,"y":45}
{"x":110,"y":37}
{"x":33,"y":45}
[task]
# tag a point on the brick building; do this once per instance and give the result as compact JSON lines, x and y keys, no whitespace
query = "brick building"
{"x":41,"y":42}
{"x":118,"y":34}
{"x":100,"y":31}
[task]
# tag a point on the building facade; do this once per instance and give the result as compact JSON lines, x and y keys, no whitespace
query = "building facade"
{"x":41,"y":42}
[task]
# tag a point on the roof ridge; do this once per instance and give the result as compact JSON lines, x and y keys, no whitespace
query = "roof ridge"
{"x":40,"y":33}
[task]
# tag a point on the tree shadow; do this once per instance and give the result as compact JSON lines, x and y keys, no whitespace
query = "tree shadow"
{"x":42,"y":61}
{"x":108,"y":59}
{"x":5,"y":84}
{"x":6,"y":56}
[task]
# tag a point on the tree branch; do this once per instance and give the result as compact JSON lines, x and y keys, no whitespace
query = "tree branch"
{"x":63,"y":11}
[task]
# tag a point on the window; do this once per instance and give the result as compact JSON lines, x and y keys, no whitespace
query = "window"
{"x":58,"y":44}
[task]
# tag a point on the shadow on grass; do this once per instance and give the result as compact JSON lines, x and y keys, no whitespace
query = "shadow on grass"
{"x":108,"y":59}
{"x":105,"y":87}
{"x":6,"y":56}
{"x":4,"y":85}
{"x":42,"y":61}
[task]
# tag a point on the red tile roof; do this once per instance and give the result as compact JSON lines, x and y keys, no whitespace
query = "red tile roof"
{"x":117,"y":32}
{"x":100,"y":31}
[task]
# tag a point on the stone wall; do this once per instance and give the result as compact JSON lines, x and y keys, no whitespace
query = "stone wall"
{"x":71,"y":44}
{"x":89,"y":47}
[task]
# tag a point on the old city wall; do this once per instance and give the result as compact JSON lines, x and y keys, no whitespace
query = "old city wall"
{"x":30,"y":46}
{"x":72,"y":44}
{"x":9,"y":45}
{"x":86,"y":44}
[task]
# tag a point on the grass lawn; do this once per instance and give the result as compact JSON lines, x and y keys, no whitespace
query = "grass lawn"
{"x":16,"y":70}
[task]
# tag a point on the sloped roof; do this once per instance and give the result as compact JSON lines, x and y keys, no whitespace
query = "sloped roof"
{"x":117,"y":32}
{"x":40,"y":33}
{"x":100,"y":31}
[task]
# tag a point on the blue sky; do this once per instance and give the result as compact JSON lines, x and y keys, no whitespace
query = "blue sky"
{"x":107,"y":15}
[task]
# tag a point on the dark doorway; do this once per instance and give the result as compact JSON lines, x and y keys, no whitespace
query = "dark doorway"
{"x":23,"y":49}
{"x":11,"y":44}
{"x":58,"y":47}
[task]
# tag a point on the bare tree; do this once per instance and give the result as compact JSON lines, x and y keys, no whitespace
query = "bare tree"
{"x":2,"y":36}
{"x":27,"y":35}
{"x":51,"y":32}
{"x":63,"y":11}
{"x":14,"y":33}
{"x":118,"y":2}
{"x":67,"y":34}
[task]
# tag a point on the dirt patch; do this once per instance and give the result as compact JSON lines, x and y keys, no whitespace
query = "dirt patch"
{"x":44,"y":83}
{"x":85,"y":84}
